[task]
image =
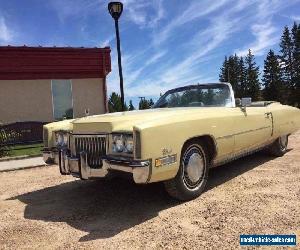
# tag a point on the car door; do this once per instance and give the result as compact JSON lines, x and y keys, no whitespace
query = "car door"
{"x":253,"y":128}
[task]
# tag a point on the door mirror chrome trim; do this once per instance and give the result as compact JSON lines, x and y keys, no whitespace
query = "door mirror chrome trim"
{"x":246,"y":101}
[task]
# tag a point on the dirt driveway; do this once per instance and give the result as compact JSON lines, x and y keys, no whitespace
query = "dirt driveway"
{"x":255,"y":195}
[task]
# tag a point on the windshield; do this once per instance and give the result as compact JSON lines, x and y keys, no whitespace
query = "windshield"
{"x":214,"y":95}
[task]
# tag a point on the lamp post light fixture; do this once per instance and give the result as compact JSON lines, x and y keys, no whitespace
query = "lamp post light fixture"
{"x":115,"y":9}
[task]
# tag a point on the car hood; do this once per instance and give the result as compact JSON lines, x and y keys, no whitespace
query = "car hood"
{"x":125,"y":121}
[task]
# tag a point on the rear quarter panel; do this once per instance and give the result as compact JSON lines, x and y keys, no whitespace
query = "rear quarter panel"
{"x":286,"y":119}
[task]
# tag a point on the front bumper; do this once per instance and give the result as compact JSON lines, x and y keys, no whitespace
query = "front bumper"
{"x":50,"y":156}
{"x":141,"y":170}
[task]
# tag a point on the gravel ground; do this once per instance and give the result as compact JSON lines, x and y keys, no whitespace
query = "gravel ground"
{"x":256,"y":195}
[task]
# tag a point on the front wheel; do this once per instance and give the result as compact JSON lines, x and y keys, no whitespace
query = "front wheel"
{"x":192,"y":175}
{"x":279,"y":147}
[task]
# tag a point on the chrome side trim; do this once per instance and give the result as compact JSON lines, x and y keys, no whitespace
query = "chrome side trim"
{"x":240,"y":133}
{"x":241,"y":154}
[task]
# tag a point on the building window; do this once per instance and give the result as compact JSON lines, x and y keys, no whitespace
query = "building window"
{"x":62,"y":99}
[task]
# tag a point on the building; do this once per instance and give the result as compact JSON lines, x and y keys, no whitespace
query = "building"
{"x":48,"y":84}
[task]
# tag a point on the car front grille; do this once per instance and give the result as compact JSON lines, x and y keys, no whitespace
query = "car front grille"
{"x":93,"y":145}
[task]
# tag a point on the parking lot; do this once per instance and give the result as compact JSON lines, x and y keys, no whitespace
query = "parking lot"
{"x":259,"y":194}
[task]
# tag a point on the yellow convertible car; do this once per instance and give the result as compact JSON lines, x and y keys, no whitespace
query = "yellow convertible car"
{"x":189,"y":130}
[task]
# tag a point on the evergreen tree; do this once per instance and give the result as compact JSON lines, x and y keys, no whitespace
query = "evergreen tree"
{"x":286,"y":58}
{"x":146,"y":104}
{"x":115,"y":104}
{"x":294,"y":33}
{"x":233,"y":66}
{"x":272,"y":78}
{"x":295,"y":88}
{"x":230,"y":73}
{"x":242,"y":79}
{"x":143,"y":104}
{"x":151,"y":103}
{"x":252,"y":88}
{"x":282,"y":71}
{"x":223,"y":76}
{"x":131,"y":107}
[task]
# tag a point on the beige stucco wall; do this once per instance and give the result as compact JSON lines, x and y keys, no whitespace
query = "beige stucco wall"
{"x":25,"y":100}
{"x":88,"y":94}
{"x":31,"y":100}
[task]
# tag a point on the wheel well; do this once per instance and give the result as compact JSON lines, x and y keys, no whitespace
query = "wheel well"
{"x":209,"y":141}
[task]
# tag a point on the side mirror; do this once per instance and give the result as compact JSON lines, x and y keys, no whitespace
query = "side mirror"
{"x":246,"y":101}
{"x":238,"y":102}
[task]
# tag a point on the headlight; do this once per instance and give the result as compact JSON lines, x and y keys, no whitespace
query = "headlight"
{"x":61,"y":139}
{"x":118,"y":144}
{"x":122,"y":143}
{"x":129,"y":144}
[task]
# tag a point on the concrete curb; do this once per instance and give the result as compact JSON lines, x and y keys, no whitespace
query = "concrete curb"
{"x":25,"y":167}
{"x":22,"y":157}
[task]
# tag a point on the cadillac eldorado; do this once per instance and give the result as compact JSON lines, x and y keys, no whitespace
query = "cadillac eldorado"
{"x":189,"y":130}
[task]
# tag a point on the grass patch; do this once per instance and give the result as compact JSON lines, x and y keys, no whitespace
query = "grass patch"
{"x":29,"y":149}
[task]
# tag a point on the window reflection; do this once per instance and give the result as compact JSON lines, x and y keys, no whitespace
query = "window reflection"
{"x":214,"y":95}
{"x":62,"y":99}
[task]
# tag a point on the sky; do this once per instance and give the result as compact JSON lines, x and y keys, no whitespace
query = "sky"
{"x":165,"y":44}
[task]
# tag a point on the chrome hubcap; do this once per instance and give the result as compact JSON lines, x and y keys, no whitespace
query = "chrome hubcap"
{"x":195,"y":167}
{"x":194,"y":164}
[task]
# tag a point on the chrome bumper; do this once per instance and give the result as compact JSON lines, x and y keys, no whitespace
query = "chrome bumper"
{"x":141,"y":170}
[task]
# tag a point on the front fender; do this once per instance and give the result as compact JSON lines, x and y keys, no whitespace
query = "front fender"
{"x":50,"y":128}
{"x":167,"y":140}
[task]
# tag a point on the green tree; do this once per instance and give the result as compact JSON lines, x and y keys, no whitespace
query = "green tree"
{"x":295,"y":86}
{"x":286,"y":57}
{"x":233,"y":71}
{"x":252,"y":88}
{"x":143,"y":104}
{"x":229,"y":71}
{"x":242,"y":79}
{"x":151,"y":102}
{"x":223,"y":76}
{"x":131,"y":107}
{"x":272,"y":78}
{"x":244,"y":75}
{"x":115,"y":104}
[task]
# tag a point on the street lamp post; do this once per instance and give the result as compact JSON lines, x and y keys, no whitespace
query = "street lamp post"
{"x":115,"y":9}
